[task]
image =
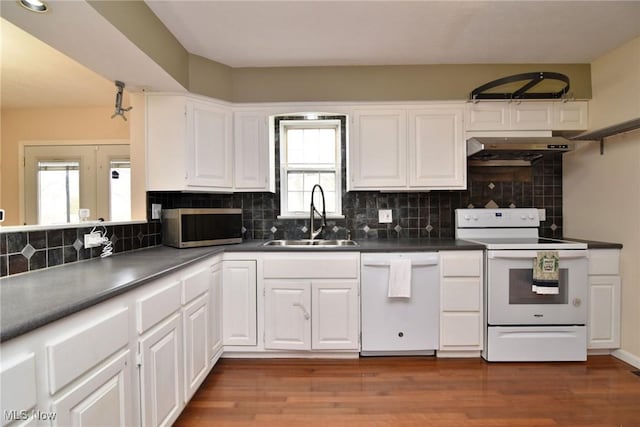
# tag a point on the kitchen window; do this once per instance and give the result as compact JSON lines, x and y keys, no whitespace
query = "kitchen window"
{"x":309,"y":155}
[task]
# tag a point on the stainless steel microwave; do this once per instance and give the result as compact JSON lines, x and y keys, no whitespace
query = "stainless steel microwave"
{"x":192,"y":227}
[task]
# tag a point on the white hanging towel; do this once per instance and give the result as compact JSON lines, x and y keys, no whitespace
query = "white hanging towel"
{"x":400,"y":278}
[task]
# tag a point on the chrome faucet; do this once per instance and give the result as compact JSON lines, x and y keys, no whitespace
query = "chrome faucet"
{"x":315,"y":233}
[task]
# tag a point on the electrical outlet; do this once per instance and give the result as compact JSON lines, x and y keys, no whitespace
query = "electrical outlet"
{"x":92,"y":240}
{"x":385,"y":216}
{"x":156,"y":210}
{"x":84,"y":214}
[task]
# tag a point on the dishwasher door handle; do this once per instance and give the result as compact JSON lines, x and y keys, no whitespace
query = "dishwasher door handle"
{"x":387,"y":264}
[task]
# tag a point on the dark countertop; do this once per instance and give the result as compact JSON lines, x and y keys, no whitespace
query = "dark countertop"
{"x":31,"y":300}
{"x":593,"y":244}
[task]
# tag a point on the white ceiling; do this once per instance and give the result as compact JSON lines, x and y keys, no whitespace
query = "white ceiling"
{"x":36,"y":75}
{"x":374,"y":32}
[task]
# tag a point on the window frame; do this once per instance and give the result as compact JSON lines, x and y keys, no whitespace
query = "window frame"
{"x":284,"y":126}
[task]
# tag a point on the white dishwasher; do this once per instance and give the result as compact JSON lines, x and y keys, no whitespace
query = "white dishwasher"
{"x":400,"y":326}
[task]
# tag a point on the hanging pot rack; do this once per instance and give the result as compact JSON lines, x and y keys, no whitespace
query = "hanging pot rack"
{"x":530,"y":80}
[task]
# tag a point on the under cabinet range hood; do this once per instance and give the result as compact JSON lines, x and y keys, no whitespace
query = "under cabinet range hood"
{"x":513,"y":151}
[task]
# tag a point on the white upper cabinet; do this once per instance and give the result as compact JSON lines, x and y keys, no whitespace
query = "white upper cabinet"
{"x":378,"y":149}
{"x":410,"y":148}
{"x":209,"y":146}
{"x":570,"y":115}
{"x":436,"y":148}
{"x":252,"y":152}
{"x":526,"y":115}
{"x":189,"y":144}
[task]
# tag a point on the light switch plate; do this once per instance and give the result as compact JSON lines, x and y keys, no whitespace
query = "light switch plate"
{"x":156,"y":210}
{"x":385,"y":216}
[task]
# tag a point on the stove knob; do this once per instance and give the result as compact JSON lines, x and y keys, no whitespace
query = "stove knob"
{"x":475,"y":217}
{"x":467,"y":217}
{"x":531,"y":217}
{"x":523,"y":217}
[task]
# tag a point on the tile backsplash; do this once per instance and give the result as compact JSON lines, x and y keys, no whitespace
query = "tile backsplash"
{"x":415,"y":215}
{"x":23,"y":251}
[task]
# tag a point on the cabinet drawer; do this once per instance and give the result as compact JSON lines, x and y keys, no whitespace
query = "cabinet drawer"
{"x":461,"y":294}
{"x":195,"y":284}
{"x":69,"y":358}
{"x":325,"y":266}
{"x":461,"y":264}
{"x":604,"y":262}
{"x":18,"y":387}
{"x":157,"y":306}
{"x":458,"y":330}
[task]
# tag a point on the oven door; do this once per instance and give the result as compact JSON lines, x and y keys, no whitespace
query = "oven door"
{"x":511,"y":301}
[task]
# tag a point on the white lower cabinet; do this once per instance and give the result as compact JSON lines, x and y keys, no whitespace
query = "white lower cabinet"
{"x":311,"y":315}
{"x":18,"y":388}
{"x":161,"y":373}
{"x":196,"y":344}
{"x":335,"y":321}
{"x":239,"y":302}
{"x":603,"y":323}
{"x":287,"y":314}
{"x":311,"y":301}
{"x":461,"y":320}
{"x":215,"y":312}
{"x":101,"y":399}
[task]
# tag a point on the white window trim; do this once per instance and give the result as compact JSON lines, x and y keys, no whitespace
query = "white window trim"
{"x":309,"y":124}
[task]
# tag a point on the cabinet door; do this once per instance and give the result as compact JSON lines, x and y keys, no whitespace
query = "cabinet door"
{"x":161,"y":373}
{"x":18,"y":388}
{"x":209,"y":146}
{"x":570,"y":115}
{"x":603,"y":323}
{"x":378,"y":152}
{"x":239,"y":303}
{"x":488,"y":116}
{"x":437,"y":149}
{"x":196,"y":344}
{"x":101,"y":399}
{"x":335,"y":307}
{"x":532,"y":116}
{"x":215,"y":311}
{"x":165,"y":143}
{"x":252,"y":157}
{"x":287,"y":315}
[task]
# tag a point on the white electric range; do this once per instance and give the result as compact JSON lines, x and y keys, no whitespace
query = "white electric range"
{"x":522,"y":325}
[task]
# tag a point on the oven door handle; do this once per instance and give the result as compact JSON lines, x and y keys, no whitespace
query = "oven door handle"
{"x":516,"y":254}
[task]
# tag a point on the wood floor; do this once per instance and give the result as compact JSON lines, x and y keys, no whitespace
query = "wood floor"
{"x":416,"y":391}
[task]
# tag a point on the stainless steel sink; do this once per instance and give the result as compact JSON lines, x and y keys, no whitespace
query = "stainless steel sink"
{"x":306,"y":243}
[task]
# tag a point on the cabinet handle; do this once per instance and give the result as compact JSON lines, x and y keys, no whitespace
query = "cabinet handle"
{"x":307,"y":316}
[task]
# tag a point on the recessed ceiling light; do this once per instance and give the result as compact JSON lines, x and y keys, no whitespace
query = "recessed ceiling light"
{"x":34,"y":5}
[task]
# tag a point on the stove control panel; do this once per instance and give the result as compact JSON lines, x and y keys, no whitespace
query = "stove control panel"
{"x":497,"y":218}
